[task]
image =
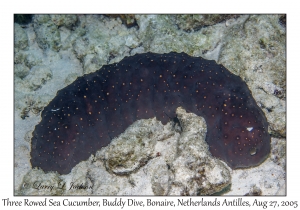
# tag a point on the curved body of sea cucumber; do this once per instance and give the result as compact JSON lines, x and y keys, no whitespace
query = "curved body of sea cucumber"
{"x":87,"y":114}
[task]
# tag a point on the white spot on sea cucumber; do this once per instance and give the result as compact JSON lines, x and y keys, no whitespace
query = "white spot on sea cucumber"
{"x":253,"y":151}
{"x":250,"y":128}
{"x":54,"y":110}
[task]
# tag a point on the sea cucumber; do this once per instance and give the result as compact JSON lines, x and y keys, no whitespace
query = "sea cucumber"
{"x":87,"y":114}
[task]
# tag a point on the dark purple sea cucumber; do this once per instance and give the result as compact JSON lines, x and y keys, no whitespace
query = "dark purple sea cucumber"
{"x":87,"y":114}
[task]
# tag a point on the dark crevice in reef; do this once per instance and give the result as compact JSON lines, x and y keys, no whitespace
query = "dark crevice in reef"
{"x":23,"y":19}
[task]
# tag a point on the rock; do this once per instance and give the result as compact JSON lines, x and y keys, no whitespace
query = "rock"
{"x":31,"y":59}
{"x":38,"y":76}
{"x":64,"y":20}
{"x":196,"y":22}
{"x":47,"y":33}
{"x":127,"y":19}
{"x":196,"y":172}
{"x":21,"y":70}
{"x":41,"y":19}
{"x":36,"y":182}
{"x":20,"y":38}
{"x":254,"y":191}
{"x":132,"y":149}
{"x":278,"y":153}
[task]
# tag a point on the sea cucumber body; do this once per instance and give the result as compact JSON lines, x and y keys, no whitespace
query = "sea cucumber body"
{"x":87,"y":114}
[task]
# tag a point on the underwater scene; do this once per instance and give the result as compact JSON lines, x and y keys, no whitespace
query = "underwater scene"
{"x":150,"y":104}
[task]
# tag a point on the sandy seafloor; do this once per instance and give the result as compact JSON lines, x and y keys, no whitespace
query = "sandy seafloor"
{"x":53,"y":50}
